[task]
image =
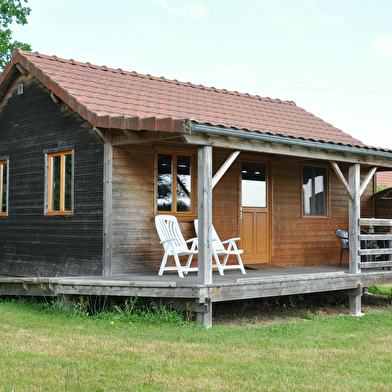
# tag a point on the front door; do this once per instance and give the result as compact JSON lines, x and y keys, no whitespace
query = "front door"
{"x":255,"y":230}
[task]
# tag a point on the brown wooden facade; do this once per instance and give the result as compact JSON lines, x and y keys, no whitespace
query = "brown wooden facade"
{"x":295,"y":240}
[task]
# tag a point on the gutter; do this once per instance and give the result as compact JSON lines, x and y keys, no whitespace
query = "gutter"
{"x":251,"y":135}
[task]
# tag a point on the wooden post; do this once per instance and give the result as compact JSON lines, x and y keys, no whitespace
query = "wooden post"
{"x":354,"y":215}
{"x":205,"y":225}
{"x":107,"y":205}
{"x":354,"y":243}
{"x":354,"y":304}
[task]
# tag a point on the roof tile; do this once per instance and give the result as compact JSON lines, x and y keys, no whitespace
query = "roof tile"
{"x":113,"y":98}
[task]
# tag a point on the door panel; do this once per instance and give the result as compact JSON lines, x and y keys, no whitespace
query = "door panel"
{"x":255,"y":230}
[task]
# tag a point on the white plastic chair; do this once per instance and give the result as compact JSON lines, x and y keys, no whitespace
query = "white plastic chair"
{"x":174,"y":245}
{"x":218,"y":249}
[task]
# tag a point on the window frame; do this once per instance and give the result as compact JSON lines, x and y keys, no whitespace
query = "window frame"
{"x":49,"y":167}
{"x":326,"y":192}
{"x":175,"y":154}
{"x":2,"y":162}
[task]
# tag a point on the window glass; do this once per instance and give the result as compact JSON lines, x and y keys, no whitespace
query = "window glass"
{"x":314,"y":191}
{"x":183,"y":183}
{"x":320,"y":191}
{"x":254,"y":185}
{"x":68,"y":183}
{"x":165,"y":180}
{"x":56,"y":183}
{"x":4,"y":187}
{"x":175,"y":183}
{"x":60,"y":182}
{"x":307,"y":190}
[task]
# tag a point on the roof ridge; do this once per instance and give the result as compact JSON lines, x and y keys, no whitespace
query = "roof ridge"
{"x":161,"y":78}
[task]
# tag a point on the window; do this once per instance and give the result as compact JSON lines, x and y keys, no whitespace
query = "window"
{"x":3,"y":187}
{"x":175,"y":183}
{"x":314,"y":185}
{"x":60,"y":183}
{"x":254,"y":184}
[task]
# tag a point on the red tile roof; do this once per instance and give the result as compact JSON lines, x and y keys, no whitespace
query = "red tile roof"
{"x":384,"y":178}
{"x":113,"y":98}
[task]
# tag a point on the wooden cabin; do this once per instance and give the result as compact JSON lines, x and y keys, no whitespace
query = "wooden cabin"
{"x":90,"y":155}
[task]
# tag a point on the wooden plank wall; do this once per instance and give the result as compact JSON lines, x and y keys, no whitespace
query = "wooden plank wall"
{"x":295,"y":240}
{"x":30,"y":242}
{"x":136,"y":247}
{"x":309,"y":240}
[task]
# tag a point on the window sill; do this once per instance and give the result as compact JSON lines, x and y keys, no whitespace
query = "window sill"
{"x":315,"y":216}
{"x":58,"y":213}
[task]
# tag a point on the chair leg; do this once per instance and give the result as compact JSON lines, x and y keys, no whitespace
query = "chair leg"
{"x":188,"y":264}
{"x":241,"y":264}
{"x":163,"y":264}
{"x":218,"y":264}
{"x":178,"y":265}
{"x":341,"y":256}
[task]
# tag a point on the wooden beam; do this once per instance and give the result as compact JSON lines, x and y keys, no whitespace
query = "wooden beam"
{"x":283,"y":149}
{"x":342,"y":179}
{"x":367,"y":180}
{"x":137,"y":137}
{"x":354,"y":215}
{"x":375,"y":222}
{"x":205,"y":225}
{"x":107,"y":205}
{"x":220,"y":173}
{"x":205,"y":214}
{"x":354,"y":178}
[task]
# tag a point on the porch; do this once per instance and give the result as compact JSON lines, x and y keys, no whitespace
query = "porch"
{"x":257,"y":283}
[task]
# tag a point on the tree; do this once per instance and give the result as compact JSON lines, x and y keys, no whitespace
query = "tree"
{"x":11,"y":11}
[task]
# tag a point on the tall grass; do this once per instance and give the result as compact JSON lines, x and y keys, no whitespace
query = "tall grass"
{"x":96,"y":307}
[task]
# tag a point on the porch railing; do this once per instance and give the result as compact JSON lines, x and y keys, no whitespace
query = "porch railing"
{"x":378,"y":243}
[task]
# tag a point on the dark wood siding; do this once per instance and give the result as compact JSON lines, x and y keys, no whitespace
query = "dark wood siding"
{"x":32,"y":243}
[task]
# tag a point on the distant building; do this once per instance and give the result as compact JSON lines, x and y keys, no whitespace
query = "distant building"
{"x":384,"y":179}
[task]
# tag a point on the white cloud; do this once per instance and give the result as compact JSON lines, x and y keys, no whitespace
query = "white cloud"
{"x":383,"y":45}
{"x":194,"y":9}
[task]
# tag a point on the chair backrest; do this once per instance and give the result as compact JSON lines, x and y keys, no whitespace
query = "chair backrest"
{"x":343,"y":235}
{"x":167,"y":227}
{"x":216,"y":242}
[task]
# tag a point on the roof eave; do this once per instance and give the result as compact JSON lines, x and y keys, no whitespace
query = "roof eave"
{"x":290,"y":141}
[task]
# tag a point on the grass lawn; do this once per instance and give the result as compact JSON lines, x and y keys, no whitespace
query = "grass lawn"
{"x":46,"y":352}
{"x":383,"y":290}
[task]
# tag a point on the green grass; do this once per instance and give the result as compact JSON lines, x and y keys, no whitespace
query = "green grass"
{"x":383,"y":290}
{"x":42,"y":351}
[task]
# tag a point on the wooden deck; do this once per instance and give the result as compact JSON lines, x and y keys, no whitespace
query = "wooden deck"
{"x":232,"y":286}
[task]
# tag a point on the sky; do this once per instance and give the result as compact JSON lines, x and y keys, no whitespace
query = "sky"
{"x":333,"y":58}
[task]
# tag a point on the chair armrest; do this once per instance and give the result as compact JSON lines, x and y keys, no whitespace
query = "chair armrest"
{"x":195,"y":243}
{"x":191,"y":240}
{"x":231,"y":239}
{"x":168,"y":239}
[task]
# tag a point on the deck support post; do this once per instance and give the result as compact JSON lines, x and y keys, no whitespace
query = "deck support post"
{"x":354,"y":304}
{"x":205,"y":225}
{"x":354,"y":243}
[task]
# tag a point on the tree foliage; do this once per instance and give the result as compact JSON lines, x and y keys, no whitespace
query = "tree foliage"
{"x":11,"y":11}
